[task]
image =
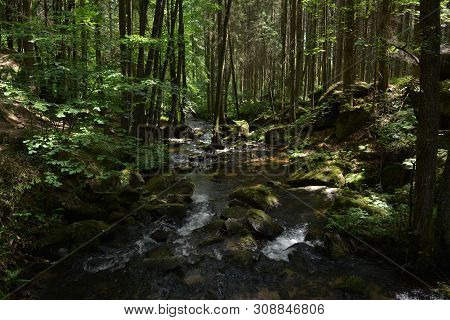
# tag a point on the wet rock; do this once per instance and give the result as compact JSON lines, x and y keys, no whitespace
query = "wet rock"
{"x":262,"y":223}
{"x":330,"y":175}
{"x":174,"y":211}
{"x":162,"y":259}
{"x":240,"y":250}
{"x":69,"y":237}
{"x":160,"y":235}
{"x":165,"y":185}
{"x":258,"y":196}
{"x":350,"y":122}
{"x":193,"y":277}
{"x":236,"y":203}
{"x":178,"y":198}
{"x":235,"y":212}
{"x":211,"y":233}
{"x":236,"y":226}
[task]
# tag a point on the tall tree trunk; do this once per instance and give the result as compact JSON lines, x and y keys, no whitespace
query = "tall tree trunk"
{"x":427,"y":129}
{"x":233,"y":75}
{"x":349,"y":50}
{"x":284,"y":15}
{"x":383,"y":34}
{"x":27,"y":43}
{"x":339,"y":41}
{"x":299,"y":58}
{"x":219,"y":116}
{"x":292,"y":67}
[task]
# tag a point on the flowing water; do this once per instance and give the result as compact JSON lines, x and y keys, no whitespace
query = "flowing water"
{"x":292,"y":266}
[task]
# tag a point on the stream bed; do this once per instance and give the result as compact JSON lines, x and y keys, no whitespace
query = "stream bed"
{"x":294,"y":265}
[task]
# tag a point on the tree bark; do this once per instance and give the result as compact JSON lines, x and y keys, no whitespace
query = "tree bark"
{"x":427,"y":129}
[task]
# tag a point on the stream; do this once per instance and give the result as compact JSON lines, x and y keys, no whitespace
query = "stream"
{"x":294,"y":265}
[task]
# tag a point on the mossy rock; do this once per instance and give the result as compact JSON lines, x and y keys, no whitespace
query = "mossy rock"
{"x":350,"y":122}
{"x":347,"y":200}
{"x":162,"y":259}
{"x":74,"y":208}
{"x":241,"y":128}
{"x":175,"y":211}
{"x":356,"y":181}
{"x":258,"y":196}
{"x":211,"y":233}
{"x":169,"y":184}
{"x":240,"y":250}
{"x":262,"y":223}
{"x":69,"y":236}
{"x":330,"y":175}
{"x":353,"y":285}
{"x":236,"y":226}
{"x":235,"y":212}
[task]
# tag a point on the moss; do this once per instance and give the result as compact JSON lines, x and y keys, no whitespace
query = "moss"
{"x":257,"y":196}
{"x":235,"y":212}
{"x":162,"y":259}
{"x":370,"y":218}
{"x":169,"y":184}
{"x":353,"y":284}
{"x":356,"y":181}
{"x":175,"y":211}
{"x":262,"y":223}
{"x":330,"y":175}
{"x":349,"y":200}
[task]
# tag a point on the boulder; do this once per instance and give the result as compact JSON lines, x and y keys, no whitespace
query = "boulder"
{"x":241,"y":129}
{"x":240,"y":250}
{"x":174,"y":211}
{"x":69,"y":237}
{"x":350,"y":122}
{"x":162,"y":259}
{"x":165,"y":185}
{"x":236,"y":226}
{"x":235,"y":212}
{"x":160,"y":235}
{"x":258,"y":196}
{"x":262,"y":224}
{"x":74,"y":208}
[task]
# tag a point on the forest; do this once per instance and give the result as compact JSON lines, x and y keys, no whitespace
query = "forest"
{"x":224,"y":149}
